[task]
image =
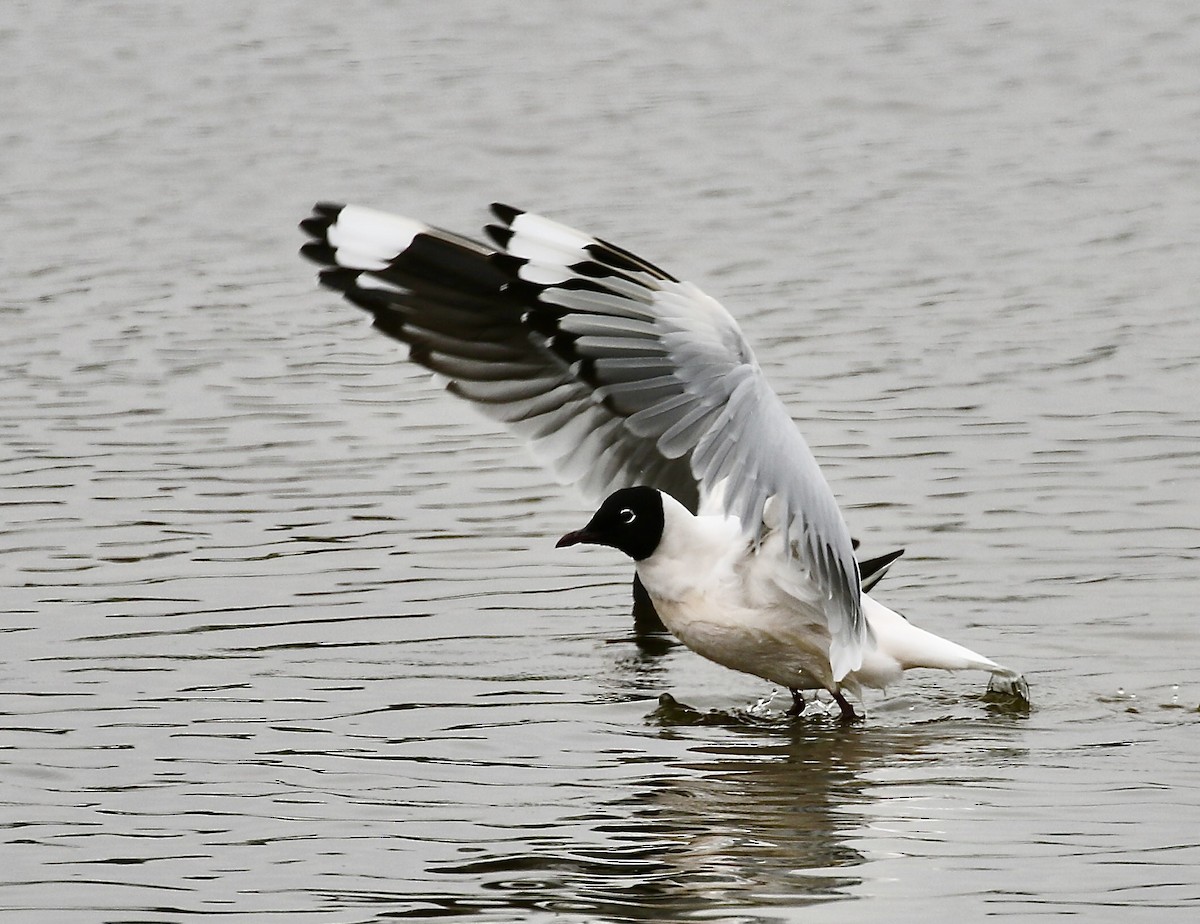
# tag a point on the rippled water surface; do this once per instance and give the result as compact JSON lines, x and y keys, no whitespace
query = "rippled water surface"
{"x":285,"y":636}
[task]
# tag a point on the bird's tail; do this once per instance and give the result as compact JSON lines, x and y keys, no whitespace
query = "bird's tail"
{"x":911,"y":646}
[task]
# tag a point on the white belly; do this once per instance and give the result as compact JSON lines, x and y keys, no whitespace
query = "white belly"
{"x":779,"y":647}
{"x":719,"y":595}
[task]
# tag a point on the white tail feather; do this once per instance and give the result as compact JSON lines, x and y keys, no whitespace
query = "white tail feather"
{"x":899,"y":646}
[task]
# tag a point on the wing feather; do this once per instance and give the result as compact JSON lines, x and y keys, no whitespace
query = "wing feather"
{"x":613,"y":370}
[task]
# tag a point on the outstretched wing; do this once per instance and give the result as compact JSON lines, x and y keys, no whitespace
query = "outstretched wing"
{"x":465,"y":315}
{"x":616,"y":372}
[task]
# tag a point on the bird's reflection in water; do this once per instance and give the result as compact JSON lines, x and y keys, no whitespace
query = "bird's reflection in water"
{"x":761,"y":814}
{"x":648,"y":626}
{"x":764,"y":813}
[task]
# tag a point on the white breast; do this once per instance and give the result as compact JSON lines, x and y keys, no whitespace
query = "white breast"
{"x":715,"y":594}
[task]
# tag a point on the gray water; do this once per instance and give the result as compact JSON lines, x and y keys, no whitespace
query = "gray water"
{"x":285,"y":636}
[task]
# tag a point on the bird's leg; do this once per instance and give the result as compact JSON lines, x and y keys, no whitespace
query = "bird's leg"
{"x":848,"y":713}
{"x":798,"y":703}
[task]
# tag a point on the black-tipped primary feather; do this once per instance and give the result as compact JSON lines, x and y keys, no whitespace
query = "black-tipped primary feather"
{"x":872,"y":570}
{"x":466,"y":314}
{"x":506,"y":213}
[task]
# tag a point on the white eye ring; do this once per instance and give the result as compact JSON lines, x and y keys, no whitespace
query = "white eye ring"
{"x":627,"y":516}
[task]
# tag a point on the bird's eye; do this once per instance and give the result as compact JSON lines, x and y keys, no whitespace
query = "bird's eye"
{"x":627,"y":516}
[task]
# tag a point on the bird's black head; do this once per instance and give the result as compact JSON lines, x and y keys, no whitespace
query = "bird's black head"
{"x":630,"y":520}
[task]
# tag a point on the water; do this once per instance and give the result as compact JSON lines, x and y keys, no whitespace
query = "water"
{"x":285,"y":636}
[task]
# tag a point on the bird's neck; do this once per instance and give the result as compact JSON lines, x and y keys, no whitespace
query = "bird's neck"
{"x":694,"y":553}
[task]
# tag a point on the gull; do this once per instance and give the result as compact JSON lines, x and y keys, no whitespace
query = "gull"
{"x":637,"y":387}
{"x":743,"y":602}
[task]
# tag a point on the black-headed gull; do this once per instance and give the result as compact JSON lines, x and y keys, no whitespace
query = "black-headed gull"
{"x":623,"y":378}
{"x":744,"y":602}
